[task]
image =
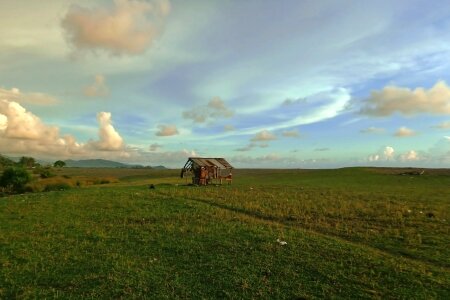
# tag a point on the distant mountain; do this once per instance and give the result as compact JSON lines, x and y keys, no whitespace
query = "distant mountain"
{"x":96,"y":163}
{"x":159,"y":168}
{"x":103,"y":163}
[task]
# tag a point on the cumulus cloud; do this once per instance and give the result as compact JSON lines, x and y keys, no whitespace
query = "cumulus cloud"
{"x":23,"y":132}
{"x":373,"y":157}
{"x":291,"y":133}
{"x":16,"y":95}
{"x":388,"y":152}
{"x":392,"y":99}
{"x":109,"y":138}
{"x":210,"y":112}
{"x":167,"y":130}
{"x":262,"y":136}
{"x":404,"y":132}
{"x":98,"y":88}
{"x":372,"y":129}
{"x":385,"y":154}
{"x":129,"y":27}
{"x":3,"y":122}
{"x":21,"y":124}
{"x":410,"y":155}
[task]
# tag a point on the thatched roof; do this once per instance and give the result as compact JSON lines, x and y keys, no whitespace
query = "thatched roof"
{"x":220,"y":163}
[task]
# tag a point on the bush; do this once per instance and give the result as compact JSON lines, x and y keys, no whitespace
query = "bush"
{"x":58,"y":186}
{"x":14,"y":179}
{"x":46,"y":173}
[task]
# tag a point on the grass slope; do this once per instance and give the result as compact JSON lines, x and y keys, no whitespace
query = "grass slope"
{"x":350,"y":233}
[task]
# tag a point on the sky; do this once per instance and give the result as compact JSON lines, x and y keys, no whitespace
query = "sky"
{"x":264,"y":84}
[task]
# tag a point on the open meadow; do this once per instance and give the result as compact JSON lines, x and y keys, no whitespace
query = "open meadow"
{"x":274,"y":234}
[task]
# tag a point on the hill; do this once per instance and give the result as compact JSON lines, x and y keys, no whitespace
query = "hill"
{"x":97,"y":163}
{"x":104,"y":163}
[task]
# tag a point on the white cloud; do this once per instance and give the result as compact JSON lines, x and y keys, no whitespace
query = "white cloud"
{"x":373,"y":157}
{"x":392,"y":99}
{"x":21,"y":124}
{"x":384,"y":154}
{"x":110,"y":139}
{"x":3,"y":122}
{"x":167,"y":130}
{"x":264,"y":135}
{"x":129,"y":27}
{"x":410,"y":155}
{"x":388,"y":152}
{"x":24,"y":132}
{"x":405,"y":132}
{"x":98,"y":88}
{"x":214,"y":110}
{"x":16,"y":95}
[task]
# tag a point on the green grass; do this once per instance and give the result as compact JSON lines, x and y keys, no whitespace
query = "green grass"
{"x":350,"y":233}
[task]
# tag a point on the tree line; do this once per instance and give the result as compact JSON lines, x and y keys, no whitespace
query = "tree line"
{"x":16,"y":175}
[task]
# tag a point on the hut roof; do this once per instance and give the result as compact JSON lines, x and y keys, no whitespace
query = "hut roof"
{"x":221,"y":163}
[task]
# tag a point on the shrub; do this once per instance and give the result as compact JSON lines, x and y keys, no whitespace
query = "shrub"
{"x":45,"y":172}
{"x":57,"y":186}
{"x":14,"y":179}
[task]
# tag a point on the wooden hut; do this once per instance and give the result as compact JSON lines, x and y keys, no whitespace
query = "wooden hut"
{"x":207,"y":170}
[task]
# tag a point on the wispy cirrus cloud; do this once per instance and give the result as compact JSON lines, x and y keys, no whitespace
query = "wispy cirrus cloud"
{"x":374,"y":130}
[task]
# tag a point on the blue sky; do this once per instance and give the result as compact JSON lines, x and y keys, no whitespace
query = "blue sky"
{"x":290,"y":84}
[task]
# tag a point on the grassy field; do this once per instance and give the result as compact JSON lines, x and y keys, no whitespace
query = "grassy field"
{"x":349,"y":233}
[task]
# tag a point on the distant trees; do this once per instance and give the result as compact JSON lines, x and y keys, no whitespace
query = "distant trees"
{"x":27,"y":162}
{"x":59,"y":164}
{"x":14,"y":179}
{"x":5,"y":162}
